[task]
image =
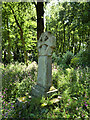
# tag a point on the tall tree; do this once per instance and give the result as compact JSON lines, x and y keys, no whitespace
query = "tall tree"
{"x":73,"y":25}
{"x":21,"y":24}
{"x":21,"y":35}
{"x":40,"y":17}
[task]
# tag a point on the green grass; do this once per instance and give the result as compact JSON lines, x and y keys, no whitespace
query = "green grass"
{"x":73,"y":93}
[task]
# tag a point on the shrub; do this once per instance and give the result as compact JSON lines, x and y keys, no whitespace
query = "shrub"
{"x":56,"y":59}
{"x":67,"y":57}
{"x":84,"y":58}
{"x":75,"y":62}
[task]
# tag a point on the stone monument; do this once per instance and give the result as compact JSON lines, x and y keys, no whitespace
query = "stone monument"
{"x":46,"y":44}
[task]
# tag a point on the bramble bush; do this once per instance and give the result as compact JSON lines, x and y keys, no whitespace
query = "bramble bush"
{"x":71,"y":101}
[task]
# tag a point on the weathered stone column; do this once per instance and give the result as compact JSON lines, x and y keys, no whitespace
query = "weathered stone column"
{"x":46,"y":44}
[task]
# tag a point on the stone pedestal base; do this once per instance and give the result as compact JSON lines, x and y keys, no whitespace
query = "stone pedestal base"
{"x":38,"y":91}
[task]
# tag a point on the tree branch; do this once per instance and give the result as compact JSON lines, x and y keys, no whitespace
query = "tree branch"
{"x":16,"y":19}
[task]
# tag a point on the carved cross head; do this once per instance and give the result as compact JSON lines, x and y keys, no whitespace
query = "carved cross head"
{"x":46,"y":44}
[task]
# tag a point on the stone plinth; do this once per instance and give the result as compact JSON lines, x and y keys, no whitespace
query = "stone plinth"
{"x":46,"y":43}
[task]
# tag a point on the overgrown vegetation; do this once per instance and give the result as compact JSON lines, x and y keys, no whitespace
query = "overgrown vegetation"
{"x":71,"y":101}
{"x":69,"y":23}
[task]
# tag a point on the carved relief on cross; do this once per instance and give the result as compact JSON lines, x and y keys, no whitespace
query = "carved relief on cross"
{"x":46,"y":43}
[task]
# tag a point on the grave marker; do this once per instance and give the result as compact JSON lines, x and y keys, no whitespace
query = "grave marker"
{"x":46,"y":44}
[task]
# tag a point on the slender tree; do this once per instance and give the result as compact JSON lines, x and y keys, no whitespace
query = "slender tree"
{"x":21,"y":35}
{"x":40,"y":17}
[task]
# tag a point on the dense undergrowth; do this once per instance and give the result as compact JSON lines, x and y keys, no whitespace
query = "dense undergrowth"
{"x":73,"y":92}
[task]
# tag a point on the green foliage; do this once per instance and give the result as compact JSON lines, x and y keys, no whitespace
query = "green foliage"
{"x":16,"y":77}
{"x":66,"y":22}
{"x":69,"y":22}
{"x":67,"y":57}
{"x":74,"y":88}
{"x":81,"y":59}
{"x":71,"y":101}
{"x":21,"y":22}
{"x":84,"y":58}
{"x":56,"y":59}
{"x":75,"y":62}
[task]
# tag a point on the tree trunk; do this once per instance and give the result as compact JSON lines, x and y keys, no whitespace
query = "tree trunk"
{"x":59,"y":42}
{"x":9,"y":55}
{"x":64,"y":38}
{"x":5,"y":58}
{"x":40,"y":18}
{"x":68,"y":38}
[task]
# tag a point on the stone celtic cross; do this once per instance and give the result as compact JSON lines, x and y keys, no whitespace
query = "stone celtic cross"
{"x":46,"y":44}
